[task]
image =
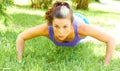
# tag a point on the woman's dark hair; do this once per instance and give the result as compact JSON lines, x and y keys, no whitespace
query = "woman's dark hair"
{"x":59,"y":10}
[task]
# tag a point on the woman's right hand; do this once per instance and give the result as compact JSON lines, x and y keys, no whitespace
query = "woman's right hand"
{"x":19,"y":57}
{"x":20,"y":46}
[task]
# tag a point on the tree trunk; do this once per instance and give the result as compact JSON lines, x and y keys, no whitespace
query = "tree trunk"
{"x":35,"y":3}
{"x":97,"y":1}
{"x":82,"y":4}
{"x":40,"y":3}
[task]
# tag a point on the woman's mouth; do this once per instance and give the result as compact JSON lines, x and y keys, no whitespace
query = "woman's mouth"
{"x":60,"y":36}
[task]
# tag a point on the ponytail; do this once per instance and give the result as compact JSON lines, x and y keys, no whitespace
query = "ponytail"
{"x":59,"y":10}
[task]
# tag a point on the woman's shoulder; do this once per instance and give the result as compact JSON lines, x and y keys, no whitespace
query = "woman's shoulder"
{"x":44,"y":26}
{"x":41,"y":30}
{"x":81,"y":26}
{"x":41,"y":27}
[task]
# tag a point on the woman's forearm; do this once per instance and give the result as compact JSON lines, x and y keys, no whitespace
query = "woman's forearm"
{"x":19,"y":46}
{"x":109,"y":51}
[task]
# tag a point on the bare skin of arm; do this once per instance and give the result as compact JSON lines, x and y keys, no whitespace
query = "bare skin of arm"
{"x":88,"y":30}
{"x":40,"y":30}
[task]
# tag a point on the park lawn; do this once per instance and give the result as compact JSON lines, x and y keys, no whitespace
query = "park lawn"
{"x":40,"y":54}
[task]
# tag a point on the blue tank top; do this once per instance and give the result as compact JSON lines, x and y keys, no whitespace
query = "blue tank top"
{"x":76,"y":39}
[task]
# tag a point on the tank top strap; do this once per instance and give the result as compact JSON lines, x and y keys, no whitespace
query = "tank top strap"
{"x":51,"y":34}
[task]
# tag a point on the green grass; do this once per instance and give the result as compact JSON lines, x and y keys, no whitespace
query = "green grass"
{"x":41,"y":54}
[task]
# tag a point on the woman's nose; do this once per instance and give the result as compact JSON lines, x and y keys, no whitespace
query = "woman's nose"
{"x":61,"y":30}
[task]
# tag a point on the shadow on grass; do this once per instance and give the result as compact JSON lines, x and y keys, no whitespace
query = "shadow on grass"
{"x":26,"y":20}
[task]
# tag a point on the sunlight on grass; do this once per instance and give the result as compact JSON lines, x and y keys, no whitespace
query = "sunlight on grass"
{"x":99,"y":50}
{"x":16,"y":10}
{"x":106,"y":7}
{"x":22,"y":2}
{"x":2,"y":28}
{"x":116,"y":55}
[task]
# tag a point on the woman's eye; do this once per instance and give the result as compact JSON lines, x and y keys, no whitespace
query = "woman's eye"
{"x":56,"y":26}
{"x":65,"y":26}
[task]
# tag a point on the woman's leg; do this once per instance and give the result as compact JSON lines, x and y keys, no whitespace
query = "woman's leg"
{"x":82,"y":17}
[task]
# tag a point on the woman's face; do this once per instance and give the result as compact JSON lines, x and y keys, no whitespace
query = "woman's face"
{"x":61,"y":27}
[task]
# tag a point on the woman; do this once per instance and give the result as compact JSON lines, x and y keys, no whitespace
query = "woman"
{"x":65,"y":29}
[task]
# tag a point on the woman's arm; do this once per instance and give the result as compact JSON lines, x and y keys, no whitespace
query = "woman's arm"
{"x":40,"y":30}
{"x":88,"y":30}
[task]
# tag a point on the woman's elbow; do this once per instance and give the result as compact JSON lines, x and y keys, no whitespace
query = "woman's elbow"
{"x":111,"y":41}
{"x":20,"y":37}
